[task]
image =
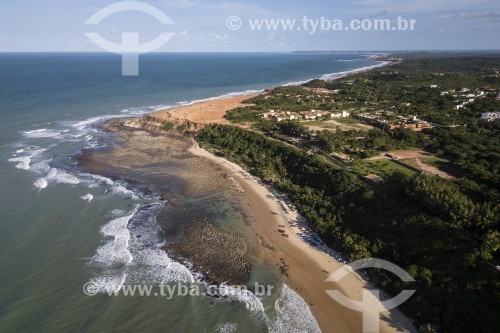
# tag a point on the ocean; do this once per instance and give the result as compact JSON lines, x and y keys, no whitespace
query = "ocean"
{"x":62,"y":228}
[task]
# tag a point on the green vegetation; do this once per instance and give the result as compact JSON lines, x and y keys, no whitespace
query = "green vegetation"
{"x":290,"y":128}
{"x":293,"y":99}
{"x":243,"y":115}
{"x":445,"y":233}
{"x":366,"y":143}
{"x":383,"y":167}
{"x":474,"y":150}
{"x":438,"y":230}
{"x":390,"y":88}
{"x":181,"y":128}
{"x":168,"y":126}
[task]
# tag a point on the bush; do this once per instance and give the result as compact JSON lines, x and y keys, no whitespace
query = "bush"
{"x":168,"y":126}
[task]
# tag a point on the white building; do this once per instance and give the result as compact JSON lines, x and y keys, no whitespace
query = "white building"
{"x":490,"y":116}
{"x":343,"y":114}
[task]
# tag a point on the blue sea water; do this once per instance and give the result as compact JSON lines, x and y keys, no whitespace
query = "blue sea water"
{"x":61,"y":228}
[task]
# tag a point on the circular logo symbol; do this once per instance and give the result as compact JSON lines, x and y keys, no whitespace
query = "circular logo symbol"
{"x":233,"y":23}
{"x":371,"y":305}
{"x":90,"y":289}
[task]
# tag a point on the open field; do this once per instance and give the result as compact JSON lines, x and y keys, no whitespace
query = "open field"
{"x":344,"y":124}
{"x":426,"y":167}
{"x":382,"y":168}
{"x":419,"y":159}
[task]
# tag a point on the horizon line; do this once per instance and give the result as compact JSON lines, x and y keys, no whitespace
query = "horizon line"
{"x":295,"y":51}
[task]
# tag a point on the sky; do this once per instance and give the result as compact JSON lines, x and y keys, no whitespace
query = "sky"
{"x":232,"y":26}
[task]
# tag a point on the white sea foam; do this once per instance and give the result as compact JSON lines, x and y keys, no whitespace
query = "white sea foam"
{"x":52,"y":173}
{"x":24,"y":162}
{"x":337,"y":75}
{"x":122,"y":191}
{"x":40,"y":183}
{"x":88,"y":197}
{"x":93,"y":181}
{"x":83,"y":124}
{"x":292,"y":314}
{"x":227,"y":328}
{"x":62,"y":177}
{"x":106,"y":180}
{"x":357,"y":70}
{"x":41,"y":167}
{"x":115,"y":251}
{"x":35,"y":131}
{"x":251,"y":302}
{"x":151,"y":262}
{"x":348,"y":60}
{"x":135,"y":253}
{"x":228,"y":95}
{"x":108,"y":282}
{"x":90,"y":121}
{"x":41,"y":133}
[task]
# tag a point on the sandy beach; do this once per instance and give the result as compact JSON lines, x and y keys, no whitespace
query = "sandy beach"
{"x":205,"y":112}
{"x":306,"y":268}
{"x":159,"y":160}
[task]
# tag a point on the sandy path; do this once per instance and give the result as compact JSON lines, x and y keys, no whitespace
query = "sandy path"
{"x":307,"y":267}
{"x":432,"y":169}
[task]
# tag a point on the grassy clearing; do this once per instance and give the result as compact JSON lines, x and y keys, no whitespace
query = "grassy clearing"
{"x":382,"y":168}
{"x":347,"y":121}
{"x":318,"y":123}
{"x":435,"y":161}
{"x":330,"y":160}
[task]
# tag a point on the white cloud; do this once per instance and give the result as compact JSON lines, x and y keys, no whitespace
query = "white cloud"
{"x":188,"y":37}
{"x":219,"y":38}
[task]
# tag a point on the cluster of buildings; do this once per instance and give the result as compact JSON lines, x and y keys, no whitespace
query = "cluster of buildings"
{"x":410,"y":122}
{"x":490,"y":116}
{"x":389,"y":120}
{"x":467,"y":96}
{"x":302,"y":115}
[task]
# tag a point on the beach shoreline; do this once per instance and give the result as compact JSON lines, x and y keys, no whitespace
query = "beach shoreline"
{"x":201,"y":113}
{"x":213,"y":110}
{"x":305,"y":268}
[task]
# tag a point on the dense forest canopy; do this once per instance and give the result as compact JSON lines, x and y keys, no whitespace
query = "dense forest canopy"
{"x":445,"y":232}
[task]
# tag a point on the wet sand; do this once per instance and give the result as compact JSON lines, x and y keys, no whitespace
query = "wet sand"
{"x":158,"y":159}
{"x":195,"y":190}
{"x":305,"y":268}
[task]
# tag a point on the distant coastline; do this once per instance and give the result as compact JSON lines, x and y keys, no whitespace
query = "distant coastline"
{"x":197,"y":114}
